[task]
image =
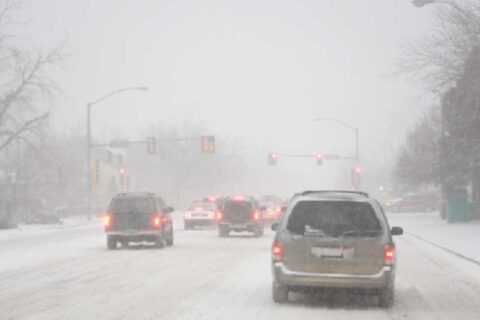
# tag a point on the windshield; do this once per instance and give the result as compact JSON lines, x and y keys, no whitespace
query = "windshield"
{"x":132,"y":205}
{"x":332,"y":218}
{"x":201,"y":206}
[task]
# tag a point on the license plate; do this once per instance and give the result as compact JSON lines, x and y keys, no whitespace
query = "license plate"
{"x":131,"y":232}
{"x":327,"y":252}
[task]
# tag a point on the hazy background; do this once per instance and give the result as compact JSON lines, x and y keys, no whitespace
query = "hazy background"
{"x":257,"y":71}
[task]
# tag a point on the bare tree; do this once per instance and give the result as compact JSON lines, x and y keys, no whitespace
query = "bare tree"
{"x":438,"y":60}
{"x":26,"y":89}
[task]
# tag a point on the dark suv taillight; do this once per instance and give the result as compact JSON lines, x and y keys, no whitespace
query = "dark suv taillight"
{"x":107,"y":221}
{"x":157,"y":221}
{"x":256,"y":215}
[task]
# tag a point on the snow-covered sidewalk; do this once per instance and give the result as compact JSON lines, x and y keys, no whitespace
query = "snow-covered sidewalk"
{"x":35,"y":229}
{"x":458,"y":238}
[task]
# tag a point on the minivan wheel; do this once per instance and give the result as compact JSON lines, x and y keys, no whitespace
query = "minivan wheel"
{"x":279,"y":293}
{"x":386,"y":298}
{"x":111,"y":243}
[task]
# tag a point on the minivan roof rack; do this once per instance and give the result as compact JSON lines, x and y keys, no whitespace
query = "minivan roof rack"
{"x":361,"y":193}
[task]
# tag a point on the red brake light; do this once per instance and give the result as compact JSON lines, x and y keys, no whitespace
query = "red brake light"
{"x":388,"y":254}
{"x":157,"y":221}
{"x":277,"y":251}
{"x":219,"y":215}
{"x":188,"y":215}
{"x":107,"y":220}
{"x":256,"y":215}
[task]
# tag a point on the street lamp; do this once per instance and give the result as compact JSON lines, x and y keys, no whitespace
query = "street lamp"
{"x":89,"y":142}
{"x":357,"y":146}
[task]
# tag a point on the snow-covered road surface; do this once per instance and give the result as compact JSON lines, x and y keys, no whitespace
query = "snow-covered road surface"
{"x":69,"y":274}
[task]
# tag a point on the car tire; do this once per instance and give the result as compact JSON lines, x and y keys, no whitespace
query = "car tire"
{"x":258,"y":233}
{"x":223,"y":232}
{"x":111,"y":243}
{"x":279,"y":293}
{"x":160,"y":242}
{"x":125,"y":243}
{"x":386,"y":297}
{"x":169,"y":241}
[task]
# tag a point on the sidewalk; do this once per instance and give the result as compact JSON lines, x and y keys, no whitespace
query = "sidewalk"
{"x":458,"y":238}
{"x":33,"y":229}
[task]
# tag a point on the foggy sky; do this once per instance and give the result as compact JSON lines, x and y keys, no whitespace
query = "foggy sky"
{"x":260,"y":71}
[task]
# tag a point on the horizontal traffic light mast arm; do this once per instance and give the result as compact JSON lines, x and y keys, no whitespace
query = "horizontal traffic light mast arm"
{"x":126,"y":144}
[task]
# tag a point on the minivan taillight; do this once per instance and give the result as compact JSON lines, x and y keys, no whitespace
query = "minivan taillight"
{"x":388,"y":254}
{"x":277,"y":251}
{"x":107,"y":221}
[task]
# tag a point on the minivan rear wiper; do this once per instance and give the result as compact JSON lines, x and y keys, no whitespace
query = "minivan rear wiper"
{"x":314,"y":232}
{"x":359,"y":233}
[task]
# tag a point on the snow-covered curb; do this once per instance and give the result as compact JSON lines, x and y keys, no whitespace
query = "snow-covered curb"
{"x":457,"y":238}
{"x":34,"y":229}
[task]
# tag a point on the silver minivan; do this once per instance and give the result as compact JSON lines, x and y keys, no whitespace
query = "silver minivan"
{"x":334,"y":239}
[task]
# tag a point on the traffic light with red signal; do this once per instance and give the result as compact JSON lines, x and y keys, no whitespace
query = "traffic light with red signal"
{"x":272,"y":159}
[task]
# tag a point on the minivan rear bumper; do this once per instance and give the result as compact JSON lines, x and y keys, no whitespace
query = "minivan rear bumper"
{"x":284,"y":276}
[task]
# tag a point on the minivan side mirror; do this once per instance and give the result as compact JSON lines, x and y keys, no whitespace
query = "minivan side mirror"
{"x":274,"y":226}
{"x":396,"y":231}
{"x":168,"y":210}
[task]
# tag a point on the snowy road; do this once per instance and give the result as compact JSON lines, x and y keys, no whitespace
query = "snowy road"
{"x":69,"y":274}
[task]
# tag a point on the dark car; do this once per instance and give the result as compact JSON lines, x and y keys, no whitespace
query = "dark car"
{"x":415,"y":202}
{"x":138,"y":217}
{"x":240,"y":214}
{"x":334,"y":239}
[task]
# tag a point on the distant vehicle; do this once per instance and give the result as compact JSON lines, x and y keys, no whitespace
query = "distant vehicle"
{"x":138,"y":217}
{"x":200,"y":213}
{"x":414,"y":202}
{"x":240,"y":214}
{"x":334,"y":239}
{"x":272,"y":212}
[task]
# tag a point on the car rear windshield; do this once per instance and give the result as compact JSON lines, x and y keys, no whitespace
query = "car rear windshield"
{"x":238,"y":206}
{"x":132,"y":205}
{"x":333,"y":218}
{"x":201,"y":206}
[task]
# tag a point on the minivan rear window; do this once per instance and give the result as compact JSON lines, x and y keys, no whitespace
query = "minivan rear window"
{"x":333,"y":218}
{"x":132,"y":205}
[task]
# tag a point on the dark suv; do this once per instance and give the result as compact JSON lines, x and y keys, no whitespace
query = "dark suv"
{"x":138,"y":217}
{"x":334,"y":239}
{"x":240,"y":214}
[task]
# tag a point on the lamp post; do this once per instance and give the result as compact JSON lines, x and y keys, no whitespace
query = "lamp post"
{"x":89,"y":141}
{"x":357,"y":146}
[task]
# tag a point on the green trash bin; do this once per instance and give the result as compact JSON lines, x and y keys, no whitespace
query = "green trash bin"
{"x":458,"y":207}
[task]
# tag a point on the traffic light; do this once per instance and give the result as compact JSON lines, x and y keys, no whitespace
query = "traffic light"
{"x":319,"y":158}
{"x":208,"y":144}
{"x":272,"y":159}
{"x":358,"y":169}
{"x":151,"y":145}
{"x":122,"y":178}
